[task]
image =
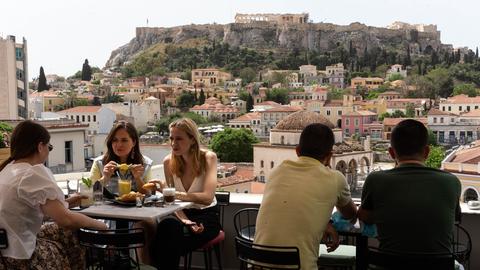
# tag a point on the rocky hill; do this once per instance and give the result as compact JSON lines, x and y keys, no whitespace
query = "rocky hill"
{"x":276,"y":37}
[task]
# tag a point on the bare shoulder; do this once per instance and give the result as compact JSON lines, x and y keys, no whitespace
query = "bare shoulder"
{"x":167,"y":159}
{"x":210,"y":156}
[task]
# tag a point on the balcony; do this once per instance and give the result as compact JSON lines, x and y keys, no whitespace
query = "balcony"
{"x":470,"y":220}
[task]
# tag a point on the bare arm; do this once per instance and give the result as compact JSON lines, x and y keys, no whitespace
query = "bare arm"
{"x":67,"y":219}
{"x":349,"y":210}
{"x":206,"y":196}
{"x":365,"y":215}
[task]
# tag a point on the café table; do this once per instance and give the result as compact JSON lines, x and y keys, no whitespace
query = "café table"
{"x":111,"y":211}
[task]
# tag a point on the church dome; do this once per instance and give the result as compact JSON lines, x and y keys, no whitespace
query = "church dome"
{"x":299,"y":120}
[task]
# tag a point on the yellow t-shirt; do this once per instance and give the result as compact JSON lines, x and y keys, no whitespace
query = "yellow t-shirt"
{"x":297,"y":203}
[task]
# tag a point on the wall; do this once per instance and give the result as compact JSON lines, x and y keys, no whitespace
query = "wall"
{"x":57,"y":156}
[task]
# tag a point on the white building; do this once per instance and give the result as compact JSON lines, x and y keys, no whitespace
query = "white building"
{"x":68,"y":154}
{"x":248,"y":120}
{"x":13,"y":79}
{"x":396,"y":69}
{"x":100,"y":119}
{"x":460,"y":103}
{"x":144,"y":113}
{"x":452,"y":129}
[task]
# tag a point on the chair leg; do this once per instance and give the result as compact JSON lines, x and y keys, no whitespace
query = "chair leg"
{"x":185,"y":261}
{"x":216,"y":248}
{"x":205,"y":258}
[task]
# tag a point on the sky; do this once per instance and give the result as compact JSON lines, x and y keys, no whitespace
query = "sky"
{"x":61,"y":34}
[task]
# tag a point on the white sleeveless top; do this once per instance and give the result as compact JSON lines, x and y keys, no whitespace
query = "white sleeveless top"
{"x":197,"y":186}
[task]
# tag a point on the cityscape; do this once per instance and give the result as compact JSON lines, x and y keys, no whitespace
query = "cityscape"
{"x":252,"y":86}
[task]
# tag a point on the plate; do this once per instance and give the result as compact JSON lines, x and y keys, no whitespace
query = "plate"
{"x":122,"y":202}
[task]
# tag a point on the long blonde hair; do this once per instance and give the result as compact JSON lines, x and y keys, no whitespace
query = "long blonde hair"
{"x":177,"y":164}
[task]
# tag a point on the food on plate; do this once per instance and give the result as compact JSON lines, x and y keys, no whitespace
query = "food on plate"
{"x":130,"y":197}
{"x":149,"y":186}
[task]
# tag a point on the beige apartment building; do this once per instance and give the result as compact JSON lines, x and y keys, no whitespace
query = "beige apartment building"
{"x":369,"y":83}
{"x":209,"y":76}
{"x":13,"y":79}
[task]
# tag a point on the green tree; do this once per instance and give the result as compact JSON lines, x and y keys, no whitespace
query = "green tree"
{"x":247,"y":75}
{"x":243,"y":95}
{"x":437,"y":154}
{"x":394,"y":77}
{"x":86,"y":71}
{"x":185,"y":100}
{"x":398,"y":114}
{"x":249,"y":105}
{"x":432,"y":139}
{"x":279,"y":95}
{"x":465,"y":88}
{"x":442,"y":82}
{"x":234,"y":145}
{"x":112,"y":98}
{"x":42,"y":81}
{"x":201,"y":98}
{"x":410,"y":110}
{"x":383,"y":116}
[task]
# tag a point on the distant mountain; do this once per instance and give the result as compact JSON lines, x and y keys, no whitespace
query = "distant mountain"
{"x":320,"y":37}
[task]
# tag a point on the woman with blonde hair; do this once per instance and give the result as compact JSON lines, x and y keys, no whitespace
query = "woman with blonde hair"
{"x":30,"y":193}
{"x":193,"y":173}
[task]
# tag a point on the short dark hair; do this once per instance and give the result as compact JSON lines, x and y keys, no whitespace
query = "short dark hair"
{"x":409,"y":138}
{"x":316,"y":141}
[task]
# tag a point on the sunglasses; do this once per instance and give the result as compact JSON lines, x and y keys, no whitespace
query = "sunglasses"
{"x":50,"y":147}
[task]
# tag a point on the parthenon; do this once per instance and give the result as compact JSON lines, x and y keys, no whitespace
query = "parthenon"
{"x":274,"y":18}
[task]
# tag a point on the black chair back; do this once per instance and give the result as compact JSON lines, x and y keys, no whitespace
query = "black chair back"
{"x":244,"y":221}
{"x":223,"y":199}
{"x":462,"y":245}
{"x":109,"y":249}
{"x":412,"y":261}
{"x":266,"y":257}
{"x":3,"y":245}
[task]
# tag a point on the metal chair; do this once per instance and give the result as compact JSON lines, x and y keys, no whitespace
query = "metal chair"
{"x":3,"y":245}
{"x":412,"y":261}
{"x":244,"y":221}
{"x":266,"y":257}
{"x":110,"y":249}
{"x":462,"y":245}
{"x":223,"y":199}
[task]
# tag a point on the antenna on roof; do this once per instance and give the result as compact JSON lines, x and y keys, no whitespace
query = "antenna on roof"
{"x":147,"y":22}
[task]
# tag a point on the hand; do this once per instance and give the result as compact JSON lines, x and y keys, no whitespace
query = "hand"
{"x":194,"y":227}
{"x":180,"y":195}
{"x":137,"y":171}
{"x":330,"y":238}
{"x":109,"y":170}
{"x":158,"y":184}
{"x":74,"y":200}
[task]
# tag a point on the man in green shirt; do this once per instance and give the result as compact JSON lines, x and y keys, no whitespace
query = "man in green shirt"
{"x":412,"y":205}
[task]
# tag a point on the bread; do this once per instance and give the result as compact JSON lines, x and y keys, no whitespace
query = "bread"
{"x":149,"y":186}
{"x":130,"y":197}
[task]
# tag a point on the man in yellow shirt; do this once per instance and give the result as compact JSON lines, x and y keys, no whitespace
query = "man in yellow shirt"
{"x":299,"y":198}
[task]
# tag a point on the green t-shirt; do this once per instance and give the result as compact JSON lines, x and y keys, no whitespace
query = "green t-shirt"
{"x":413,"y":207}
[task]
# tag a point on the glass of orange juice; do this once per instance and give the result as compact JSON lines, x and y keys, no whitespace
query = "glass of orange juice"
{"x":124,"y":186}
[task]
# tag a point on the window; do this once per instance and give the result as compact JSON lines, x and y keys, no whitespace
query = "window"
{"x":19,"y":54}
{"x":449,"y":108}
{"x":468,"y":108}
{"x":476,"y":107}
{"x":347,"y":122}
{"x":347,"y":131}
{"x":443,"y":108}
{"x":460,"y":108}
{"x":68,"y":152}
{"x":19,"y":74}
{"x":434,"y":120}
{"x":339,"y":112}
{"x":328,"y":112}
{"x":271,"y":164}
{"x":83,"y":118}
{"x":94,"y":118}
{"x":78,"y":118}
{"x":89,"y":118}
{"x":441,"y":119}
{"x":356,"y":122}
{"x":261,"y":163}
{"x":452,"y":120}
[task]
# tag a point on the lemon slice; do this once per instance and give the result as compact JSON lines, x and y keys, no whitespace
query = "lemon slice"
{"x":123,"y":168}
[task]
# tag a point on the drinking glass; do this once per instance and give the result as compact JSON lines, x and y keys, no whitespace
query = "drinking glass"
{"x":124,"y":186}
{"x":169,"y":195}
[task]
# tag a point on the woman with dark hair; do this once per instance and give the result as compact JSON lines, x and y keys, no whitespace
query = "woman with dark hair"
{"x":193,"y":173}
{"x":122,"y":148}
{"x":29,"y":193}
